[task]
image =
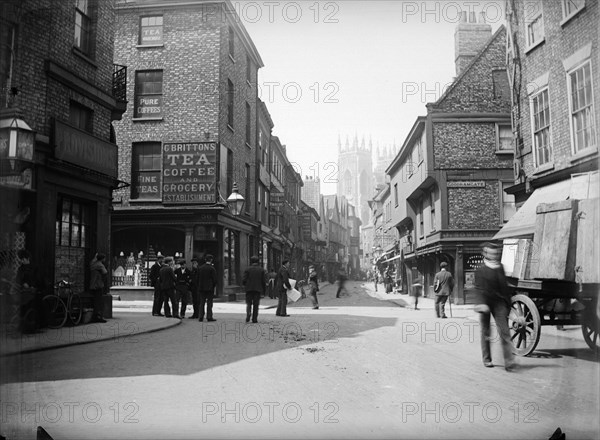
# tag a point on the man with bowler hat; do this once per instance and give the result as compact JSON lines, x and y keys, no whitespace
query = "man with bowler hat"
{"x":443,"y":283}
{"x":255,"y":281}
{"x":158,"y":298}
{"x":207,"y":282}
{"x":167,"y":281}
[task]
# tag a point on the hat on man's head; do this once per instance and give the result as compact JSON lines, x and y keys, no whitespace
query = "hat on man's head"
{"x":254,"y":260}
{"x":168,"y":260}
{"x":181,"y":261}
{"x":491,"y":245}
{"x":443,"y":264}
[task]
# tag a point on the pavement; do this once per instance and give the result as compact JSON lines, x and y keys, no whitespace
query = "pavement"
{"x":132,"y":318}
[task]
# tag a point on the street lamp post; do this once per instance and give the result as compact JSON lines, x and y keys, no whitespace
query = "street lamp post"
{"x":235,"y":201}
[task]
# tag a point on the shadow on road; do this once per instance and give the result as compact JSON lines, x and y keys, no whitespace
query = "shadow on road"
{"x":585,"y":354}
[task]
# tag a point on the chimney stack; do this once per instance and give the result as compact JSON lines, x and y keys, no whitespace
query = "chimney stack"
{"x":469,"y":38}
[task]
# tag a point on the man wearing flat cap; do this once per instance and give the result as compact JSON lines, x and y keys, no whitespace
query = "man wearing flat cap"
{"x":443,"y":283}
{"x":493,"y":292}
{"x":255,"y":282}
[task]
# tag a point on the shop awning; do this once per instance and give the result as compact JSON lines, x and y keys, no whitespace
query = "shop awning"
{"x":522,"y":223}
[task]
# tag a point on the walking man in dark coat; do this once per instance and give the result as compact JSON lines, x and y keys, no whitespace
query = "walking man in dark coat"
{"x":158,"y":298}
{"x":207,"y":282}
{"x":282,"y":285}
{"x":443,"y":284}
{"x":255,"y":280}
{"x":183,"y":286}
{"x":195,"y":281}
{"x":493,"y":291}
{"x":167,"y":280}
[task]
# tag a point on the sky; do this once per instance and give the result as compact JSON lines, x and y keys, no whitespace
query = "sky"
{"x":352,"y":67}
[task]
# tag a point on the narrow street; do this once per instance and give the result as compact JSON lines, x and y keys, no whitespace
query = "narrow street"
{"x":358,"y":367}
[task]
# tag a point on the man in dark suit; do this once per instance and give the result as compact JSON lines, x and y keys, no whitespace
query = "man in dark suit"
{"x":493,"y":291}
{"x":255,"y":280}
{"x":443,"y":284}
{"x":158,"y":298}
{"x":183,"y":286}
{"x":282,"y":285}
{"x":167,"y":280}
{"x":207,"y":282}
{"x":196,"y":263}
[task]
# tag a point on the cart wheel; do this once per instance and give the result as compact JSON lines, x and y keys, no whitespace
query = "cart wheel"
{"x":590,"y":325}
{"x":524,"y":324}
{"x":55,"y":311}
{"x":75,"y":309}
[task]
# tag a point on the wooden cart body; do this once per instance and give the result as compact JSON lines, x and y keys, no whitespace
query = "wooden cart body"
{"x":555,"y":275}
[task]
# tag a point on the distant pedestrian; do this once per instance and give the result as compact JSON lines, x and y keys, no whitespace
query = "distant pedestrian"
{"x":313,"y":281}
{"x":207,"y":283}
{"x":272,"y":275}
{"x":158,"y":302}
{"x":282,"y":285}
{"x":183,"y":286}
{"x":167,"y":281}
{"x":255,"y":280}
{"x":495,"y":295}
{"x":443,"y":283}
{"x":341,"y":282}
{"x":388,"y":281}
{"x":376,"y":278}
{"x":98,"y":274}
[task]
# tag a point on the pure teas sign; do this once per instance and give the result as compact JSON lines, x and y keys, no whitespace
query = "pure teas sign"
{"x":189,"y":173}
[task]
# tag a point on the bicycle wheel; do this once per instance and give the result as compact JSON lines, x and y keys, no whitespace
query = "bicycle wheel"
{"x":75,"y":309}
{"x":55,"y":311}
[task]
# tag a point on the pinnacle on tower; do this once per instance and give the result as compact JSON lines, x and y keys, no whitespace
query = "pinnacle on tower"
{"x":370,"y":144}
{"x":347,"y":143}
{"x":362,"y":143}
{"x":355,"y":142}
{"x":339,"y":143}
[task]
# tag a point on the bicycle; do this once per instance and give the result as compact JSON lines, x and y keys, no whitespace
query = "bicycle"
{"x":57,"y":311}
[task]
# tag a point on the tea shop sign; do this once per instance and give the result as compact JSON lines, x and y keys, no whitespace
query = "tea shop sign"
{"x":189,"y":173}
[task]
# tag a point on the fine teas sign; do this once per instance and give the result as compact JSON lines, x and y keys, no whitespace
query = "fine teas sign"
{"x":189,"y":173}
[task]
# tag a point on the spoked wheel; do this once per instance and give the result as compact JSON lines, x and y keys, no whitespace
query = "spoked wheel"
{"x":524,"y":324}
{"x":75,"y":309}
{"x":590,"y":325}
{"x":55,"y":311}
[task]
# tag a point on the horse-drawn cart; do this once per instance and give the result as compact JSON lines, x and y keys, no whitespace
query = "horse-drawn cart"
{"x":555,"y":275}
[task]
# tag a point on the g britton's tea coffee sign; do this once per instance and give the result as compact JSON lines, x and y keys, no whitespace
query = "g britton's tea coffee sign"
{"x":189,"y":173}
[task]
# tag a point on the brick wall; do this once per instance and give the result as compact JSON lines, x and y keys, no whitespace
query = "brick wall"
{"x":561,"y":41}
{"x":474,"y":208}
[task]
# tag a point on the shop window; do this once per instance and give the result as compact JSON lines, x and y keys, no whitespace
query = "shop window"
{"x":151,"y":31}
{"x":81,"y":117}
{"x":148,"y":94}
{"x":229,"y":257}
{"x":73,"y":240}
{"x":146,"y":170}
{"x":583,"y":130}
{"x":83,"y":26}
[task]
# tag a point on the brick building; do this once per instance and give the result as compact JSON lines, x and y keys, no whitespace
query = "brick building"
{"x":448,"y":180}
{"x":60,"y":85}
{"x":552,"y":54}
{"x":190,"y":135}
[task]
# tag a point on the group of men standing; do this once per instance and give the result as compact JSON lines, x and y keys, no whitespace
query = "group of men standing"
{"x":182,"y":285}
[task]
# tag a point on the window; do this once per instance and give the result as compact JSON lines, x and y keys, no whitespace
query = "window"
{"x":7,"y":47}
{"x":81,"y":117}
{"x":148,"y":94}
{"x":230,"y":92}
{"x":419,"y":148}
{"x":504,"y":138}
{"x":231,"y":43}
{"x":508,"y":202}
{"x":571,"y":7}
{"x":146,"y":170}
{"x":534,"y":22}
{"x":421,"y":226}
{"x":248,"y":194}
{"x":248,"y":124}
{"x":83,"y":26}
{"x":229,"y":257}
{"x":229,"y":172}
{"x":248,"y":69}
{"x":432,"y":209}
{"x":583,"y":131}
{"x":151,"y":31}
{"x":540,"y":115}
{"x":396,"y":194}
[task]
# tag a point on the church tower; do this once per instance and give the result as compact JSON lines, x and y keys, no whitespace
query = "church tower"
{"x":355,"y":174}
